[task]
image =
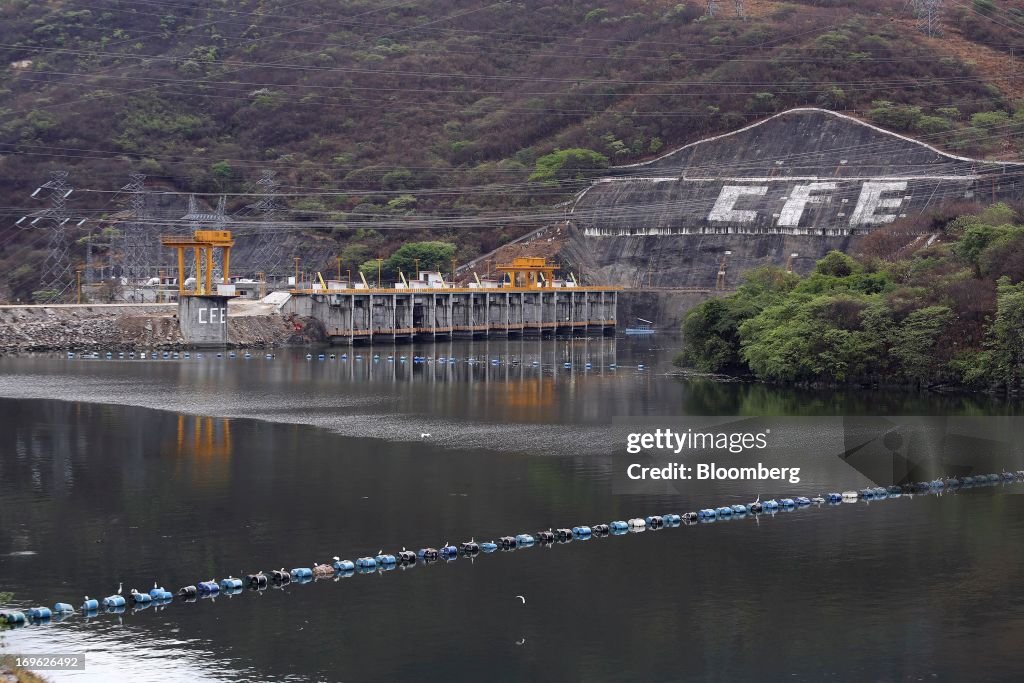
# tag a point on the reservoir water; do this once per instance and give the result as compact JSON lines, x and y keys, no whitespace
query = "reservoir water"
{"x":178,"y":471}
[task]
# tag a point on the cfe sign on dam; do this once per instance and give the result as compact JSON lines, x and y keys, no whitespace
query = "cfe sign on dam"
{"x":804,"y":172}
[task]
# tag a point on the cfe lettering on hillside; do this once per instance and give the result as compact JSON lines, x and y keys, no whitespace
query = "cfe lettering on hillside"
{"x":878,"y":202}
{"x":660,"y":206}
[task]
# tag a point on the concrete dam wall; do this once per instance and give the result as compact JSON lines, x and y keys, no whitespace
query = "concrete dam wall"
{"x":804,"y":181}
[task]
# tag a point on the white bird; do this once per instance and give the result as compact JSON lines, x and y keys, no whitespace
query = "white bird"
{"x":336,"y":558}
{"x":522,"y":598}
{"x":154,"y":585}
{"x":424,"y":435}
{"x":120,"y":585}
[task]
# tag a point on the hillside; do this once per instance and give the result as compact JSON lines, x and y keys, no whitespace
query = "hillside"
{"x":431,"y":116}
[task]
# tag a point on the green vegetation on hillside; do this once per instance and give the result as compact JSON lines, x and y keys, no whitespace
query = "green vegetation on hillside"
{"x":931,"y":312}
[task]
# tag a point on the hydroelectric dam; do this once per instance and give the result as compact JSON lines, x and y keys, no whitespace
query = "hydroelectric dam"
{"x":527,"y":300}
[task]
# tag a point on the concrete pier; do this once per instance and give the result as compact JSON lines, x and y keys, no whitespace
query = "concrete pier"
{"x":204,"y":319}
{"x":364,"y":315}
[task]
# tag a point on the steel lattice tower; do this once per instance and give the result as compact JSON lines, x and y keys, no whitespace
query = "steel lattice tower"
{"x":928,"y":13}
{"x":268,"y":252}
{"x":139,"y":248}
{"x":55,"y":272}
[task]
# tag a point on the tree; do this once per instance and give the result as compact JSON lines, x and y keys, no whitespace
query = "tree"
{"x":568,"y":164}
{"x":1006,"y":340}
{"x":406,"y":259}
{"x":916,"y":341}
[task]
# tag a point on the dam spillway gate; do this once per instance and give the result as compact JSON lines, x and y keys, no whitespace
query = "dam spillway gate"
{"x":365,"y":315}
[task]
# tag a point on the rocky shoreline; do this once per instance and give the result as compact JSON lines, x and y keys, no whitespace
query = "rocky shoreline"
{"x":124,"y":327}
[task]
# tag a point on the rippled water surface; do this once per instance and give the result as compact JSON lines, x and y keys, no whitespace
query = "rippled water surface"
{"x":184,"y":470}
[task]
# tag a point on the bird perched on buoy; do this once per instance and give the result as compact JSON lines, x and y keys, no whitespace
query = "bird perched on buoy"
{"x":120,"y":586}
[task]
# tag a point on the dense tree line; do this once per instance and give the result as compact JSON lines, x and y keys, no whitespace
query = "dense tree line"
{"x":947,"y":310}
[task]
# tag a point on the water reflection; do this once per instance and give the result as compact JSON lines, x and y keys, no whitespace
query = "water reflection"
{"x":96,"y":493}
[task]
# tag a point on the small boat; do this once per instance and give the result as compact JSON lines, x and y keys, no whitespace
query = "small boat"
{"x":642,"y":327}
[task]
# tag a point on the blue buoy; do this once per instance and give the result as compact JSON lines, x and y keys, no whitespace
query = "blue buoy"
{"x":230,"y":584}
{"x":40,"y":613}
{"x":524,"y":540}
{"x":113,"y":601}
{"x":207,"y":587}
{"x":802,"y":501}
{"x":835,"y":497}
{"x":301,"y":573}
{"x":707,"y":513}
{"x":141,"y":598}
{"x":63,"y":608}
{"x":90,"y":605}
{"x":343,"y":565}
{"x":488,"y":546}
{"x":13,"y":617}
{"x":770,"y":505}
{"x":724,"y":511}
{"x":386,"y":560}
{"x":366,"y":563}
{"x":787,"y":503}
{"x":619,"y":525}
{"x":449,"y":552}
{"x":581,"y":532}
{"x":739,"y":509}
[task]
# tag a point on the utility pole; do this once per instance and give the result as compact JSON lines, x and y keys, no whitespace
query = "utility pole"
{"x":78,"y":278}
{"x":741,"y":11}
{"x":712,"y":7}
{"x":296,"y":259}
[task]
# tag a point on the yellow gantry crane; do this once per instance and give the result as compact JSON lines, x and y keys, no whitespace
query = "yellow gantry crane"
{"x":202,"y":242}
{"x":529,"y":272}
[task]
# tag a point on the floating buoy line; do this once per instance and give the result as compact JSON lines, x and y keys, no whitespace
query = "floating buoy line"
{"x":406,"y":559}
{"x":344,"y":357}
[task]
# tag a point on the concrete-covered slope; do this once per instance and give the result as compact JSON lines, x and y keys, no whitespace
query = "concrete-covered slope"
{"x":802,"y":182}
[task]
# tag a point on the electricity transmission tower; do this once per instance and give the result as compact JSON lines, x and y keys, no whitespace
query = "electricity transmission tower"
{"x":268,"y":253}
{"x":928,"y":13}
{"x":712,"y":8}
{"x":55,"y":272}
{"x":139,"y":241}
{"x":741,"y":11}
